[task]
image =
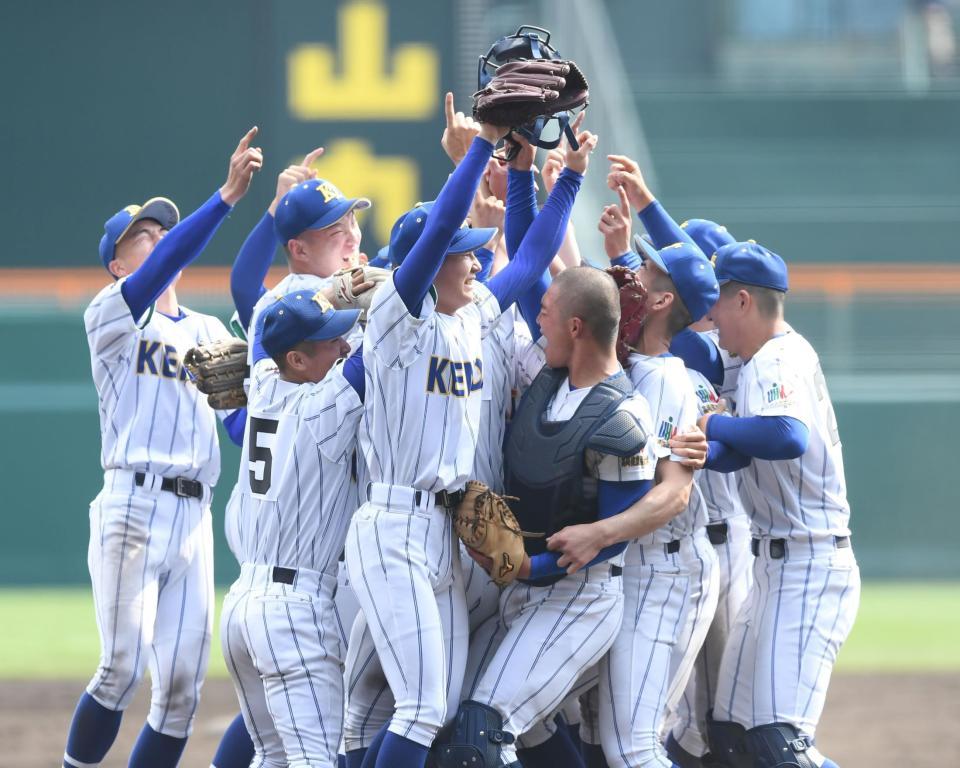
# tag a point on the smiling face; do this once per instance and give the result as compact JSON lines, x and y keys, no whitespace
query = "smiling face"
{"x":454,"y":281}
{"x":135,"y":246}
{"x":322,"y":252}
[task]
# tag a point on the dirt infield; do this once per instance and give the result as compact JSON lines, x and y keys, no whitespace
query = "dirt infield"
{"x":870,"y":721}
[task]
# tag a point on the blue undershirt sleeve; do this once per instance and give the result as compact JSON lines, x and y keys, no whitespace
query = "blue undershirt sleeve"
{"x":540,"y":244}
{"x":772,"y":438}
{"x":416,"y":274}
{"x":529,"y":303}
{"x":613,"y":498}
{"x":663,"y":230}
{"x":521,"y":207}
{"x":630,"y":260}
{"x":353,"y":372}
{"x":176,"y":250}
{"x":251,"y":266}
{"x":699,"y":354}
{"x":235,"y":423}
{"x":485,"y":257}
{"x":722,"y":458}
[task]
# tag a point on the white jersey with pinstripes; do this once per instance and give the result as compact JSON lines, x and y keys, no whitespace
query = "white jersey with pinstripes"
{"x":295,"y":489}
{"x":803,"y":498}
{"x":152,"y":418}
{"x":663,"y":381}
{"x":424,"y":381}
{"x":731,"y":368}
{"x":719,"y":489}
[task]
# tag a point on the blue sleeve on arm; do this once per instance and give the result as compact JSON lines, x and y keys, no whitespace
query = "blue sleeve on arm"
{"x":235,"y":423}
{"x":722,"y":458}
{"x":176,"y":250}
{"x":662,"y":229}
{"x":521,"y":208}
{"x":700,"y":354}
{"x":613,"y":498}
{"x":251,"y":266}
{"x":353,"y":372}
{"x":771,"y":438}
{"x":529,"y":303}
{"x":414,"y":277}
{"x":630,"y":260}
{"x":541,"y":242}
{"x":258,"y":353}
{"x":485,"y":257}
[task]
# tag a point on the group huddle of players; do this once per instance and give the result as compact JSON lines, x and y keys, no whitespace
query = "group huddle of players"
{"x":688,"y":577}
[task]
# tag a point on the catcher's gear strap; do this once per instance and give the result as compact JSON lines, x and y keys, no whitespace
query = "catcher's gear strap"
{"x":779,"y":745}
{"x":473,"y":739}
{"x":727,"y":745}
{"x":544,"y":461}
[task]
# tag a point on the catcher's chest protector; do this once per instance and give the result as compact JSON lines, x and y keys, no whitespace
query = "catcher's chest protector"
{"x":544,"y":461}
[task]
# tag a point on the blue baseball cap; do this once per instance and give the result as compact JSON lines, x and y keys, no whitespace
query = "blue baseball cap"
{"x":690,"y":271}
{"x":408,"y":228}
{"x":315,"y":204}
{"x":751,"y":264}
{"x":708,"y":235}
{"x":303,"y":316}
{"x":382,"y":259}
{"x":157,"y":208}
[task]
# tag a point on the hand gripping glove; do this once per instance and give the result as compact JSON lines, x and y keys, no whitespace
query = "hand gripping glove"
{"x":342,"y":294}
{"x":525,"y":89}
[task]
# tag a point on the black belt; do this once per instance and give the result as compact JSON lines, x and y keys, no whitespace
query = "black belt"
{"x":283,"y":575}
{"x":672,"y":547}
{"x":191,"y":489}
{"x":546,"y":581}
{"x":448,"y":499}
{"x":717,"y":533}
{"x":778,"y":547}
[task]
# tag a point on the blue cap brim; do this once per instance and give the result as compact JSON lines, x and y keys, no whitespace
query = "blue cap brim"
{"x":338,"y":211}
{"x":647,"y":251}
{"x":469,"y":239}
{"x":338,"y":325}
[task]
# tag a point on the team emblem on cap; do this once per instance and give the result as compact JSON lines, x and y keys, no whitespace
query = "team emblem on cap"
{"x":322,"y":301}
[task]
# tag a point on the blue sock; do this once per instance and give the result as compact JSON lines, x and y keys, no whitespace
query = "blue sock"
{"x":593,"y":755}
{"x":236,"y":747}
{"x":92,"y":731}
{"x":398,"y":751}
{"x":555,"y":751}
{"x":355,"y":758}
{"x":369,"y":759}
{"x":156,"y":750}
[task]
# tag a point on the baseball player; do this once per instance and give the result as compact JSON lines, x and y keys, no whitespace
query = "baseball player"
{"x":151,"y":545}
{"x":781,"y":650}
{"x":413,"y":236}
{"x":565,"y":466}
{"x":279,"y":632}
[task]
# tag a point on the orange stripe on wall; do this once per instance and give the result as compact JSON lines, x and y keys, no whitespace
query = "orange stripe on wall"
{"x":75,"y":286}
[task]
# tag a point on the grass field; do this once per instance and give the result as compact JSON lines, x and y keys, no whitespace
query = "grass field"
{"x":901,"y":627}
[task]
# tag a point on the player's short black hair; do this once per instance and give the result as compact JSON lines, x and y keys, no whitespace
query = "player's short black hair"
{"x":591,"y":294}
{"x":281,"y":357}
{"x":769,"y":301}
{"x":679,"y":316}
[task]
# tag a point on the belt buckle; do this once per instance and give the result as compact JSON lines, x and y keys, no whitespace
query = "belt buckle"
{"x":185,"y":487}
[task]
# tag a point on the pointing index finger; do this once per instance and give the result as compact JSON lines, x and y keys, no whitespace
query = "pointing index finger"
{"x":624,"y":202}
{"x":248,"y":137}
{"x":312,"y":156}
{"x":448,"y":106}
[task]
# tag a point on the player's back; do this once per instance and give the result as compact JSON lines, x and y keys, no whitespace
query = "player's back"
{"x":663,"y":382}
{"x":295,"y":483}
{"x":806,"y":497}
{"x":152,"y":418}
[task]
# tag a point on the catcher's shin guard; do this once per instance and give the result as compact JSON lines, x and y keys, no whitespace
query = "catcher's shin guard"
{"x":780,"y":745}
{"x":473,"y":738}
{"x":728,"y":748}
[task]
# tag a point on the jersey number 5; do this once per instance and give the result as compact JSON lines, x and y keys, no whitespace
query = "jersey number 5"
{"x":260,"y":455}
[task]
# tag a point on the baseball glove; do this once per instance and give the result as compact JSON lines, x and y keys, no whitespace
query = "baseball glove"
{"x":633,"y":310}
{"x":484,"y":522}
{"x":342,"y":293}
{"x":218,"y":369}
{"x":526,"y":89}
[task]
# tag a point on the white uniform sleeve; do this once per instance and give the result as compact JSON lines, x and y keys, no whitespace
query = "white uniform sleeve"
{"x":392,"y":333}
{"x":109,"y":323}
{"x":529,"y":359}
{"x":640,"y":466}
{"x":489,"y":307}
{"x":263,"y":378}
{"x":777,"y":388}
{"x":331,"y":410}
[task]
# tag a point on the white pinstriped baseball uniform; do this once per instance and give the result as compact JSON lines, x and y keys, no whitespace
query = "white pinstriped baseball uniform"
{"x":151,"y":551}
{"x":278,"y":628}
{"x":784,"y":642}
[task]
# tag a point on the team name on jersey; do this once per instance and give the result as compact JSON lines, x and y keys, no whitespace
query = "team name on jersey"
{"x":454,"y":377}
{"x":159,"y":359}
{"x":637,"y":460}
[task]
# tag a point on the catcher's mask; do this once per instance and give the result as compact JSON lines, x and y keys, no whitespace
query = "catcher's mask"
{"x":527,"y":43}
